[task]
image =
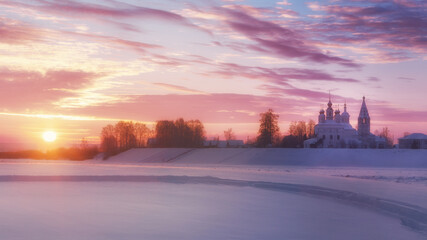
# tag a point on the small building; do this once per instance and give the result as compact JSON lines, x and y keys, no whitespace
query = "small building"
{"x":151,"y":142}
{"x":224,"y":144}
{"x":414,"y":141}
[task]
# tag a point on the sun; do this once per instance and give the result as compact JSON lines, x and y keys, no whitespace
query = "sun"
{"x":49,"y":136}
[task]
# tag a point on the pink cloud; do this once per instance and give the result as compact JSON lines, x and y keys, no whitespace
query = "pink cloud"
{"x":117,"y":10}
{"x":250,"y":10}
{"x":287,"y":13}
{"x":114,"y":42}
{"x":386,"y":112}
{"x":27,"y":89}
{"x":212,"y":108}
{"x":176,"y":88}
{"x":15,"y":32}
{"x":284,"y":3}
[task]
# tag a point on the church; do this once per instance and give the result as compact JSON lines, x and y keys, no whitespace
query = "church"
{"x":334,"y":130}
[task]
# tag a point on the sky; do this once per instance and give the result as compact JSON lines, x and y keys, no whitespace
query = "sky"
{"x":75,"y":66}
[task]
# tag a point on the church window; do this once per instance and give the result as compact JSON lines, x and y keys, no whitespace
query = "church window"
{"x":338,"y":137}
{"x":331,"y":137}
{"x":364,"y":120}
{"x":324,"y":136}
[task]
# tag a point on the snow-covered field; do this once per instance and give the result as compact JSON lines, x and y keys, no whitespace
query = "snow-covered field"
{"x":226,"y":194}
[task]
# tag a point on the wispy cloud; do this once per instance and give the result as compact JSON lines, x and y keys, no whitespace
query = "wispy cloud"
{"x":118,"y":10}
{"x":373,"y":79}
{"x":212,"y":108}
{"x":59,"y":116}
{"x":279,"y":76}
{"x":176,"y":88}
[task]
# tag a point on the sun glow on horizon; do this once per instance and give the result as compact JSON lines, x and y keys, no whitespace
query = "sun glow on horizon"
{"x":49,"y":136}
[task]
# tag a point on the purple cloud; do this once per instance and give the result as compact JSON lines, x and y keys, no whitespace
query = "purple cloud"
{"x":399,"y":26}
{"x":373,"y":79}
{"x":271,"y":38}
{"x":311,"y":97}
{"x":406,"y":79}
{"x":279,"y":76}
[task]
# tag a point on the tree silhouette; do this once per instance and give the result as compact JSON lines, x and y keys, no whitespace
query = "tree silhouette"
{"x":310,"y":128}
{"x":165,"y":133}
{"x":290,"y":141}
{"x":122,"y":136}
{"x":268,"y":129}
{"x":197,"y":132}
{"x":298,"y":133}
{"x":142,"y":133}
{"x":125,"y":133}
{"x":179,"y":133}
{"x":108,"y":141}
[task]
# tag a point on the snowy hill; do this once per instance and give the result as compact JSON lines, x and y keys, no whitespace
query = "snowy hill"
{"x":403,"y":158}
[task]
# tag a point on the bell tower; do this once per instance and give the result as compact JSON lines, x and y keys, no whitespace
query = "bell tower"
{"x":364,"y":121}
{"x":329,"y":110}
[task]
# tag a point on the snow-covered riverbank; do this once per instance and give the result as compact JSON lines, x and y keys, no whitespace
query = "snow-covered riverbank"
{"x":226,"y":194}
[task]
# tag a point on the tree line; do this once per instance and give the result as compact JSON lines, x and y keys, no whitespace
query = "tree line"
{"x":179,"y":133}
{"x":299,"y":131}
{"x":80,"y":152}
{"x":125,"y":135}
{"x":190,"y":134}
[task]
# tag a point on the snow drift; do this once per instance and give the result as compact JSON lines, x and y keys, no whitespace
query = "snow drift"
{"x":404,"y":158}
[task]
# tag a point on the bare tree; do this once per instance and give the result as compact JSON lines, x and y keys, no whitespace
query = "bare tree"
{"x":298,"y":132}
{"x":229,"y":134}
{"x":125,"y":135}
{"x":197,"y":132}
{"x":310,"y":128}
{"x":389,"y":138}
{"x":301,"y":131}
{"x":142,"y":133}
{"x":293,"y":128}
{"x":109,"y":141}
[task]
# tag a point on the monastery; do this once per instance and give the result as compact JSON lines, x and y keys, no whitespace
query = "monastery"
{"x":334,"y":130}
